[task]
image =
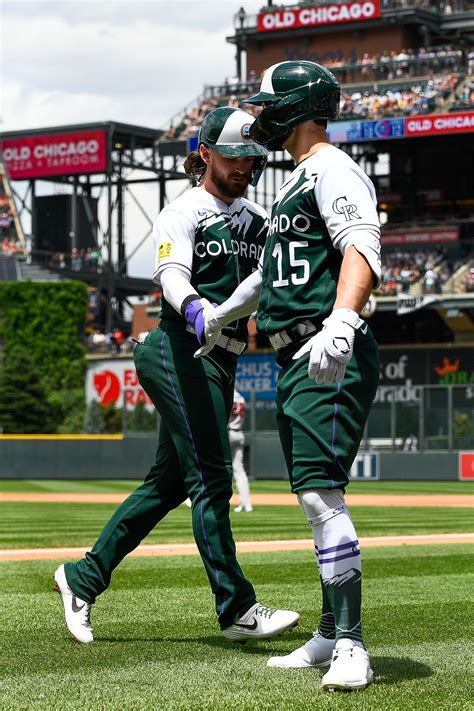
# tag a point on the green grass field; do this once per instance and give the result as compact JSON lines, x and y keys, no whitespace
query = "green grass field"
{"x":94,"y":486}
{"x":157,"y":642}
{"x":157,"y":645}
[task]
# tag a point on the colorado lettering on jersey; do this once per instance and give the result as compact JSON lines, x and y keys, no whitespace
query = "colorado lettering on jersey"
{"x":282,"y":223}
{"x":214,"y":248}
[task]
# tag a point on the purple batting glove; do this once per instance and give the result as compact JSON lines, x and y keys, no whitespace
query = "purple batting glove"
{"x":194,"y":315}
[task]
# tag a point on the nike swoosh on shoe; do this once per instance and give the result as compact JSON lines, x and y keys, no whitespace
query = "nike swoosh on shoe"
{"x":75,"y":606}
{"x":253,"y":626}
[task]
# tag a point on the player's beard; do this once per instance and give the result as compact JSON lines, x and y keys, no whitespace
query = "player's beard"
{"x":225,"y":186}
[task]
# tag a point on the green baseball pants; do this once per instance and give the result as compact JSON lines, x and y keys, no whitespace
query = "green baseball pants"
{"x":321,"y":426}
{"x":194,"y":398}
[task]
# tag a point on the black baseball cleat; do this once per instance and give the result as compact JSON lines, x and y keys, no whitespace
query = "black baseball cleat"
{"x":261,"y":623}
{"x":76,"y":611}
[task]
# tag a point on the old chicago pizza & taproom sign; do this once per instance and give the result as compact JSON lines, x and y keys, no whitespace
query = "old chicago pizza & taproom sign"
{"x":330,"y":14}
{"x":39,"y":156}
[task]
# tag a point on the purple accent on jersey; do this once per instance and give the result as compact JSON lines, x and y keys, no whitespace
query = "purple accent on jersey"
{"x":352,"y":554}
{"x":168,"y":264}
{"x":194,"y":316}
{"x":201,"y":475}
{"x":342,"y":547}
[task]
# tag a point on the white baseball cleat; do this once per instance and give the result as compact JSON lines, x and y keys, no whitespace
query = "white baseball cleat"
{"x":240,"y":508}
{"x":76,"y":611}
{"x":261,"y":623}
{"x":350,"y":668}
{"x":315,"y":653}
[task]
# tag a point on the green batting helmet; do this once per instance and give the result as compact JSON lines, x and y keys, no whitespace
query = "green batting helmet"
{"x":227,"y":131}
{"x":294,"y":92}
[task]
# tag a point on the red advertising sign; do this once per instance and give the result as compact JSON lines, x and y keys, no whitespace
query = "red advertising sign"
{"x":421,"y":236}
{"x":115,"y":381}
{"x":330,"y":14}
{"x":466,"y":466}
{"x":55,"y":154}
{"x":459,"y":122}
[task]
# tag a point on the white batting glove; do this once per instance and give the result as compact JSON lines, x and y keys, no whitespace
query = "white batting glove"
{"x":331,"y":349}
{"x":212,"y":330}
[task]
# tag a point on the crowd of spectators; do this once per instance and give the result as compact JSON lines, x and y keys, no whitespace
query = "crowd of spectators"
{"x":393,"y":65}
{"x":77,"y":260}
{"x":421,"y":98}
{"x":403,"y":268}
{"x":469,"y":281}
{"x":114,"y":342}
{"x":9,"y":247}
{"x":445,"y":7}
{"x":464,"y":96}
{"x":440,"y":67}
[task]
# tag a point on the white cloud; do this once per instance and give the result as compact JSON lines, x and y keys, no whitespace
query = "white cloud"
{"x":140,"y":62}
{"x":144,"y":61}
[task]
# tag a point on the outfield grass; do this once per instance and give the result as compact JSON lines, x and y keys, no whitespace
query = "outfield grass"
{"x":158,"y":647}
{"x":268,"y":486}
{"x":45,"y":525}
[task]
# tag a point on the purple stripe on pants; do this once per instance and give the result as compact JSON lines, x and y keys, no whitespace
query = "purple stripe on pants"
{"x":201,"y":475}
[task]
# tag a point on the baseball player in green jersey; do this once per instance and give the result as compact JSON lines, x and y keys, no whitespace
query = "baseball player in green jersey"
{"x":321,"y":261}
{"x":207,"y":241}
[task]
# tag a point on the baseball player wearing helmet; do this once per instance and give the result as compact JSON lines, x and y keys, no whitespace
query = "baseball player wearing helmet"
{"x":207,"y":241}
{"x":321,"y":261}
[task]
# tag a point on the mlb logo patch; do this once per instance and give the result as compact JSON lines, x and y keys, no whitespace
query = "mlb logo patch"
{"x":165,"y":250}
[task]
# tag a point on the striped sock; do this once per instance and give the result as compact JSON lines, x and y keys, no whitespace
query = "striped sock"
{"x":339,"y":562}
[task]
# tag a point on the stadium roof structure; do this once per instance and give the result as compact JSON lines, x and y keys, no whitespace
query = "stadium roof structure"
{"x":122,"y":130}
{"x":91,"y":158}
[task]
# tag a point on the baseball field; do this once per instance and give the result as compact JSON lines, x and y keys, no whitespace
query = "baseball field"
{"x":157,"y":644}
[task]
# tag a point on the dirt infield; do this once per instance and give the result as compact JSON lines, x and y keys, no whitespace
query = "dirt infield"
{"x":166,"y":549}
{"x":429,"y":500}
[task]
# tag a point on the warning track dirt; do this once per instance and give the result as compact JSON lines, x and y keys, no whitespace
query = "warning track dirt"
{"x":429,"y":500}
{"x":166,"y":549}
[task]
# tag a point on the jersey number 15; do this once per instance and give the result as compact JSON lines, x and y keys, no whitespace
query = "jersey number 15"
{"x":295,"y":277}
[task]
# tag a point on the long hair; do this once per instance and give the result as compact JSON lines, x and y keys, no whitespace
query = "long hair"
{"x":194,"y":166}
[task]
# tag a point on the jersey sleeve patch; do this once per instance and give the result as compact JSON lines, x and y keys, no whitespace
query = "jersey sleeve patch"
{"x":165,"y":250}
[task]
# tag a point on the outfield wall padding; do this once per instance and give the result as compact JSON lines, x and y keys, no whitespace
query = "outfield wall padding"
{"x":130,"y":457}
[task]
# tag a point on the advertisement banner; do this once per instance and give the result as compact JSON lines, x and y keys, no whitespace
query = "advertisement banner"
{"x":407,"y":303}
{"x":69,"y":153}
{"x":460,"y":122}
{"x":114,"y":380}
{"x":318,"y":15}
{"x":390,"y":128}
{"x":258,"y":374}
{"x":365,"y":466}
{"x":355,"y":131}
{"x":450,"y":234}
{"x":466,"y":466}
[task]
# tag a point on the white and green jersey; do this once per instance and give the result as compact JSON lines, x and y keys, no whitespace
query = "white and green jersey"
{"x":327,"y":204}
{"x":216,"y":244}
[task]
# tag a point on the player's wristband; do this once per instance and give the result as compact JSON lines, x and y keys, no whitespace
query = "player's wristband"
{"x":188,"y":300}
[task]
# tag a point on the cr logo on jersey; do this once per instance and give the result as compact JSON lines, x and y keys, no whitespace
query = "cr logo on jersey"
{"x":349,"y":211}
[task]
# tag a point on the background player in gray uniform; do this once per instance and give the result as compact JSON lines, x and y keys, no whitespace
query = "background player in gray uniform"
{"x":322,"y":259}
{"x":237,"y":442}
{"x":207,"y":241}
